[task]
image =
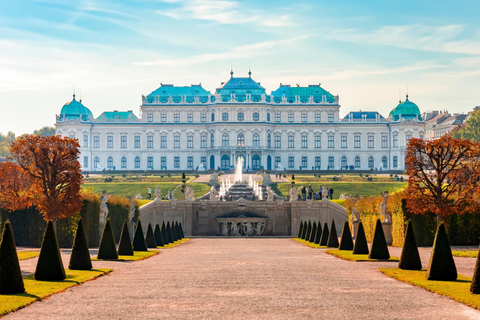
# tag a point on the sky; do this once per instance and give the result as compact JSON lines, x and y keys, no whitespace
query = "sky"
{"x":370,"y":53}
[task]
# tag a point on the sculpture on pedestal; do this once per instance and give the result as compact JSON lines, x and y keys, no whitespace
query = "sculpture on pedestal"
{"x":355,"y":213}
{"x":386,"y":215}
{"x":293,"y":194}
{"x":103,"y":207}
{"x":158,"y":192}
{"x":131,"y":211}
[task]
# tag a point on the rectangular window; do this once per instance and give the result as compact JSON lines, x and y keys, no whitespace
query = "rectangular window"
{"x":96,"y":141}
{"x":149,"y":117}
{"x":330,"y":117}
{"x":190,"y":162}
{"x":371,"y":142}
{"x":408,"y":137}
{"x":290,"y":117}
{"x":163,"y":117}
{"x":318,"y":162}
{"x":163,"y":142}
{"x":395,"y":161}
{"x":343,"y":141}
{"x":203,"y":161}
{"x":85,"y":141}
{"x":150,"y":162}
{"x":176,"y":117}
{"x":137,"y":142}
{"x":318,"y":141}
{"x":72,"y":136}
{"x":163,"y":163}
{"x":278,"y":117}
{"x":356,"y":142}
{"x":318,"y":117}
{"x":331,"y":162}
{"x":85,"y":162}
{"x":176,"y":142}
{"x":150,"y":142}
{"x":278,"y":141}
{"x":291,"y":162}
{"x":384,"y":141}
{"x":331,"y":141}
{"x":109,"y":141}
{"x":203,"y":141}
{"x":212,"y":140}
{"x":291,"y":141}
{"x":304,"y":117}
{"x":190,"y":117}
{"x":176,"y":162}
{"x":304,"y":142}
{"x":203,"y":117}
{"x":304,"y":162}
{"x":190,"y":142}
{"x":395,"y":140}
{"x":123,"y":142}
{"x":277,"y":161}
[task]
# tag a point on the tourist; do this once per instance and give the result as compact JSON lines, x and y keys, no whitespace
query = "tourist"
{"x":149,"y":193}
{"x":310,"y":193}
{"x":320,"y":190}
{"x":330,"y":192}
{"x":304,"y":193}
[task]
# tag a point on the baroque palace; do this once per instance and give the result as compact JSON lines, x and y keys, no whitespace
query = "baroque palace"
{"x":292,"y":128}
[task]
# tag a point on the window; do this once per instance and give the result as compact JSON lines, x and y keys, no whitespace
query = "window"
{"x":304,"y":162}
{"x":240,"y":116}
{"x":356,"y":141}
{"x":137,"y":142}
{"x":269,"y":141}
{"x":384,"y":162}
{"x":268,"y":116}
{"x":318,"y":141}
{"x":408,"y":136}
{"x":163,"y":117}
{"x":225,"y":162}
{"x":212,"y":140}
{"x":123,"y":142}
{"x":163,"y":142}
{"x":96,"y":141}
{"x":318,"y":162}
{"x":384,"y":141}
{"x":331,"y":162}
{"x":150,"y":142}
{"x":304,"y":117}
{"x":85,"y":162}
{"x":176,"y":117}
{"x":225,"y":116}
{"x":241,"y":140}
{"x":331,"y":141}
{"x":190,"y":142}
{"x":343,"y":162}
{"x":203,"y":117}
{"x":421,"y":136}
{"x":357,"y":162}
{"x":278,"y":117}
{"x":256,"y":140}
{"x":109,"y":141}
{"x":318,"y":117}
{"x":256,"y":162}
{"x":304,"y":142}
{"x":330,"y":117}
{"x":176,"y":142}
{"x":256,"y":116}
{"x":343,"y":141}
{"x":291,"y":141}
{"x":277,"y":161}
{"x":123,"y":163}
{"x":96,"y":162}
{"x":395,"y":140}
{"x":290,"y":117}
{"x":190,"y":162}
{"x":371,"y":163}
{"x":278,"y":141}
{"x":291,"y":162}
{"x":137,"y":162}
{"x":395,"y":161}
{"x":225,"y":140}
{"x":190,"y":117}
{"x":72,"y":136}
{"x":163,"y":163}
{"x":150,"y":163}
{"x":371,"y":143}
{"x":203,"y":141}
{"x":85,"y":140}
{"x":203,"y":161}
{"x":149,"y":117}
{"x":176,"y":162}
{"x":213,"y":117}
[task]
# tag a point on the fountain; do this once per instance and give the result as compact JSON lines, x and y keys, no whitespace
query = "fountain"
{"x":239,"y":170}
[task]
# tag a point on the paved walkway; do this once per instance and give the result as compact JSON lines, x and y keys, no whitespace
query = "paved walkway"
{"x":244,"y":279}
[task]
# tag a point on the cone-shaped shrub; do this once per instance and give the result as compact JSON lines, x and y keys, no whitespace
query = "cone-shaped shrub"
{"x":318,"y":234}
{"x":325,"y":235}
{"x":11,"y":280}
{"x":311,"y":238}
{"x":441,"y":266}
{"x":177,"y":231}
{"x":475,"y":286}
{"x":379,"y":244}
{"x":139,"y":243}
{"x":304,"y":230}
{"x":49,"y":265}
{"x":169,"y":233}
{"x":174,"y":232}
{"x":300,"y":229}
{"x":150,"y":238}
{"x":80,"y":257}
{"x":361,"y":245}
{"x":182,"y":234}
{"x":107,"y":248}
{"x":410,"y":259}
{"x":333,"y":237}
{"x":164,"y":234}
{"x":158,"y":236}
{"x":346,"y":242}
{"x":309,"y":230}
{"x":125,"y":247}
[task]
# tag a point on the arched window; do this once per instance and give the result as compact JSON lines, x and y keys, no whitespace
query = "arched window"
{"x":268,"y":116}
{"x":384,"y":162}
{"x":256,"y":140}
{"x":225,"y":116}
{"x":240,"y":116}
{"x":357,"y":162}
{"x":213,"y":116}
{"x":318,"y":162}
{"x":269,"y":141}
{"x":371,"y":163}
{"x":241,"y":140}
{"x":256,"y":116}
{"x":344,"y":162}
{"x":124,"y":163}
{"x":331,"y":162}
{"x":110,"y":162}
{"x":225,"y":162}
{"x":256,"y":162}
{"x":96,"y":162}
{"x":225,"y":140}
{"x":137,"y":162}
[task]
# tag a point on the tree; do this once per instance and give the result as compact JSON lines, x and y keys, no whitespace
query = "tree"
{"x":441,"y":265}
{"x":49,"y":265}
{"x":379,"y":244}
{"x":11,"y":280}
{"x":346,"y":242}
{"x":139,"y":243}
{"x":333,"y":237}
{"x":410,"y":258}
{"x":158,"y":236}
{"x":150,"y":237}
{"x":5,"y":142}
{"x":475,"y":286}
{"x":443,"y":176}
{"x":361,"y":245}
{"x":45,"y":131}
{"x":107,"y":248}
{"x":470,"y":130}
{"x":15,"y":193}
{"x":80,"y":257}
{"x":125,"y":247}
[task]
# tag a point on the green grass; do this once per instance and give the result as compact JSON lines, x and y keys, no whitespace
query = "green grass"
{"x":172,"y":245}
{"x":347,"y":177}
{"x":137,"y":255}
{"x":339,"y":201}
{"x":24,"y":255}
{"x":308,"y":243}
{"x":132,"y":188}
{"x":143,"y":202}
{"x":364,"y":189}
{"x":465,"y":253}
{"x":348,"y":255}
{"x":458,"y":290}
{"x":37,"y":290}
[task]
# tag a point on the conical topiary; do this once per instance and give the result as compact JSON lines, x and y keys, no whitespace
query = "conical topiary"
{"x":346,"y":242}
{"x":139,"y":243}
{"x":158,"y":236}
{"x":11,"y":280}
{"x":441,"y":266}
{"x":304,"y":230}
{"x":80,"y":257}
{"x":311,"y":238}
{"x":180,"y":227}
{"x":309,"y":230}
{"x":333,"y":238}
{"x":49,"y":265}
{"x":169,"y":233}
{"x":164,"y":234}
{"x":361,"y":245}
{"x":410,"y":259}
{"x":174,"y":231}
{"x":318,"y":234}
{"x":300,"y":229}
{"x":177,"y":231}
{"x":325,"y":235}
{"x":125,"y":247}
{"x":379,"y":244}
{"x":150,"y":238}
{"x":475,"y":286}
{"x":107,"y":248}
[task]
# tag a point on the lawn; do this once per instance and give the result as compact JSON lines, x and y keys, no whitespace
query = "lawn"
{"x":132,"y":188}
{"x":24,"y":255}
{"x":465,"y":253}
{"x":458,"y":290}
{"x":348,"y":255}
{"x":308,"y":243}
{"x":37,"y":290}
{"x":345,"y":177}
{"x":137,"y":255}
{"x":172,"y":245}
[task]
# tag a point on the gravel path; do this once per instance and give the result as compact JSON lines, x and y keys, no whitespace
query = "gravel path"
{"x":244,"y":279}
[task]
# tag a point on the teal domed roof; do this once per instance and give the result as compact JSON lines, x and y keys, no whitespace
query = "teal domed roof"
{"x":405,"y":110}
{"x":75,"y":110}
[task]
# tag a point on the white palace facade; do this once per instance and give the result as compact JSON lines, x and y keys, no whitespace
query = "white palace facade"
{"x":292,"y":128}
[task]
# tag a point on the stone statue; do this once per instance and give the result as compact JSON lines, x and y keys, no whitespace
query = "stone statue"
{"x":355,"y":213}
{"x":386,"y":215}
{"x":293,"y":193}
{"x":260,"y":228}
{"x":131,"y":211}
{"x":247,"y":227}
{"x":138,"y":196}
{"x":225,"y":229}
{"x":189,"y":194}
{"x":342,"y":196}
{"x":266,"y":180}
{"x":103,"y":207}
{"x":213,"y":193}
{"x":234,"y":228}
{"x":270,"y":194}
{"x":158,"y":192}
{"x":325,"y":193}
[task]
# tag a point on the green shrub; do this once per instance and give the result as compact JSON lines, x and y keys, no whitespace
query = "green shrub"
{"x":475,"y":286}
{"x":158,"y":236}
{"x":107,"y":248}
{"x":139,"y":243}
{"x":177,"y":231}
{"x":80,"y":257}
{"x":346,"y":242}
{"x":169,"y":233}
{"x":49,"y":265}
{"x":304,"y":230}
{"x":361,"y":245}
{"x":333,"y":237}
{"x":125,"y":247}
{"x":379,"y":244}
{"x":150,"y":238}
{"x":442,"y":265}
{"x":325,"y":235}
{"x":300,"y":229}
{"x":309,"y":230}
{"x":182,"y":234}
{"x":318,"y":234}
{"x":313,"y":233}
{"x":165,"y":234}
{"x":410,"y":258}
{"x":174,"y":232}
{"x":11,"y":280}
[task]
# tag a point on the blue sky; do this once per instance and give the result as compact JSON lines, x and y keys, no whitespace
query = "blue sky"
{"x":367,"y":52}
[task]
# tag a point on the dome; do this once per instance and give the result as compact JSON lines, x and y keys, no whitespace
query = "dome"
{"x":75,"y":110}
{"x":405,"y":110}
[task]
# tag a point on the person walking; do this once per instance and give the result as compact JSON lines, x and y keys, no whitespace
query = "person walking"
{"x":304,"y":193}
{"x":330,"y":192}
{"x":149,"y":193}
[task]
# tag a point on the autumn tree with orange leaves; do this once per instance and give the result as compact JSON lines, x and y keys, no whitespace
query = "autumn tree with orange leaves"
{"x":46,"y":174}
{"x":443,"y":176}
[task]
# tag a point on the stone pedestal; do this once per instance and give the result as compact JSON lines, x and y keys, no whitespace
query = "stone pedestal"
{"x":101,"y":226}
{"x":387,"y":230}
{"x":131,"y":229}
{"x":355,"y":228}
